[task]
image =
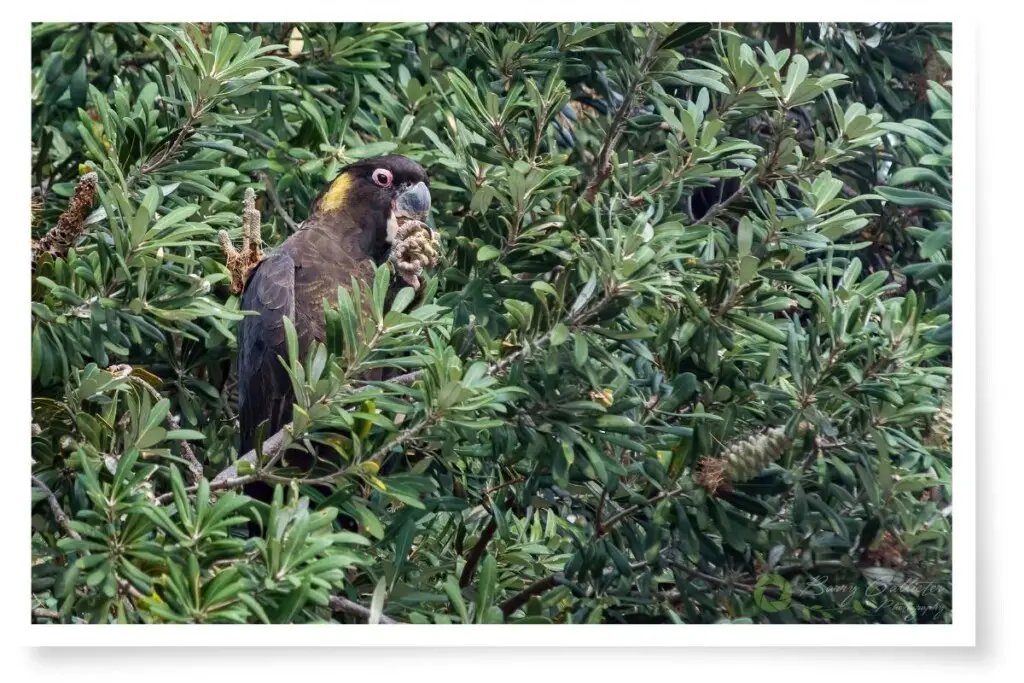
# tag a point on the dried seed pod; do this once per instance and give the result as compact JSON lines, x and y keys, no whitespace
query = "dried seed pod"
{"x":71,"y":224}
{"x":940,"y":431}
{"x":742,"y":459}
{"x":747,"y":457}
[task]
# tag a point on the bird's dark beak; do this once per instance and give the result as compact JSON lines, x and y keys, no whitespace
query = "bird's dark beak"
{"x":414,"y":203}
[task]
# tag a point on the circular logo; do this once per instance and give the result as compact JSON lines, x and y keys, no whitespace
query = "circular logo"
{"x":772,"y":593}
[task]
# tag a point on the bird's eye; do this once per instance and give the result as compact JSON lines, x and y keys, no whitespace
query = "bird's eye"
{"x":382,"y":177}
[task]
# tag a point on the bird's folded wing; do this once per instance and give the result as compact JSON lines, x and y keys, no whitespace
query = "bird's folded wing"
{"x":264,"y":390}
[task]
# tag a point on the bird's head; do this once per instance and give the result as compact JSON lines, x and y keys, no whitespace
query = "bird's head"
{"x":372,"y":196}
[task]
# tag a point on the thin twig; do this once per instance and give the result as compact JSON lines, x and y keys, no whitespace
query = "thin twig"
{"x":724,"y":204}
{"x":407,"y":379}
{"x":618,"y":125}
{"x":612,"y":521}
{"x":227,"y":483}
{"x":172,"y":149}
{"x":722,"y":583}
{"x":546,"y":584}
{"x":58,"y":511}
{"x":195,"y":468}
{"x":598,"y":525}
{"x":275,"y":201}
{"x":510,"y":482}
{"x":403,"y":438}
{"x":271,"y":447}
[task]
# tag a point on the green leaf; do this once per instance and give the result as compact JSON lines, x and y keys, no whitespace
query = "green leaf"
{"x":377,"y":602}
{"x":184,"y":435}
{"x":559,"y":333}
{"x":744,"y":236}
{"x":795,"y":75}
{"x":485,"y":586}
{"x":487,"y":253}
{"x":451,"y":588}
{"x":917,"y":198}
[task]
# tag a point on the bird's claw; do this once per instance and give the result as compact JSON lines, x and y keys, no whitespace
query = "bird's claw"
{"x":416,"y":247}
{"x":241,"y":262}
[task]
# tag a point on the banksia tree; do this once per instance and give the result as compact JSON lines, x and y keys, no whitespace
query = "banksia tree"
{"x":665,"y":249}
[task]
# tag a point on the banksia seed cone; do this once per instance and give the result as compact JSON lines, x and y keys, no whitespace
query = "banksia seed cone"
{"x":37,"y":208}
{"x":886,"y":552}
{"x":711,"y":475}
{"x":745,"y":458}
{"x":71,"y":224}
{"x":742,"y":459}
{"x":940,"y":432}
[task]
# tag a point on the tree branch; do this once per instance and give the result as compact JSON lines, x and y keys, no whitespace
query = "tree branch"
{"x":407,"y":379}
{"x":41,"y":613}
{"x":271,"y":447}
{"x":346,"y":606}
{"x":611,"y":140}
{"x":195,"y":468}
{"x":612,"y":521}
{"x":521,"y":598}
{"x":172,"y":149}
{"x":478,"y":552}
{"x":58,"y":512}
{"x":722,"y":205}
{"x":275,"y":201}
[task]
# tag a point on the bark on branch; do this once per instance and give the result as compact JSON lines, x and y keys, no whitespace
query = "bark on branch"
{"x":618,"y":125}
{"x":346,"y":606}
{"x":58,"y":512}
{"x":521,"y":598}
{"x":478,"y":552}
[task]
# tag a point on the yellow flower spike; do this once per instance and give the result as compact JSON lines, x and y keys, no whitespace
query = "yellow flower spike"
{"x":370,"y":408}
{"x":603,"y":396}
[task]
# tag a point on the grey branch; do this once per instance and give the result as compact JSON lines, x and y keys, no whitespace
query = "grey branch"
{"x":271,"y":447}
{"x":58,"y":511}
{"x":346,"y":606}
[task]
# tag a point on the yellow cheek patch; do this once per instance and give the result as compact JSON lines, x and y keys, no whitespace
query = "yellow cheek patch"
{"x":337,"y":193}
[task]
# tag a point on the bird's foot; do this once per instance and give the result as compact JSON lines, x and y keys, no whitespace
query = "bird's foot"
{"x":416,"y":247}
{"x":240,"y":262}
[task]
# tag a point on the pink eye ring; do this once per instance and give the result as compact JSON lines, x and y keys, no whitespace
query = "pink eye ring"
{"x":382,"y":177}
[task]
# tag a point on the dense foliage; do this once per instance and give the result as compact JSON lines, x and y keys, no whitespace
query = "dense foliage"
{"x":687,"y":357}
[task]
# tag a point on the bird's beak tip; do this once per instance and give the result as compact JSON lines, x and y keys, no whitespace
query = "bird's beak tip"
{"x":414,"y":202}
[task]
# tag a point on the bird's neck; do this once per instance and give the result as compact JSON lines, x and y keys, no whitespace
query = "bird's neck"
{"x":338,"y":228}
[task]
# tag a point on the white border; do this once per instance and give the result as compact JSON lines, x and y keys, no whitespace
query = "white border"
{"x":962,"y":632}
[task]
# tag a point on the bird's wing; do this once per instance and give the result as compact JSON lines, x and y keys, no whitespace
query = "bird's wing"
{"x":264,"y":389}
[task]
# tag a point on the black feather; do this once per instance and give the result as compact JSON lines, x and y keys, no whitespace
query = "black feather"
{"x":264,"y":390}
